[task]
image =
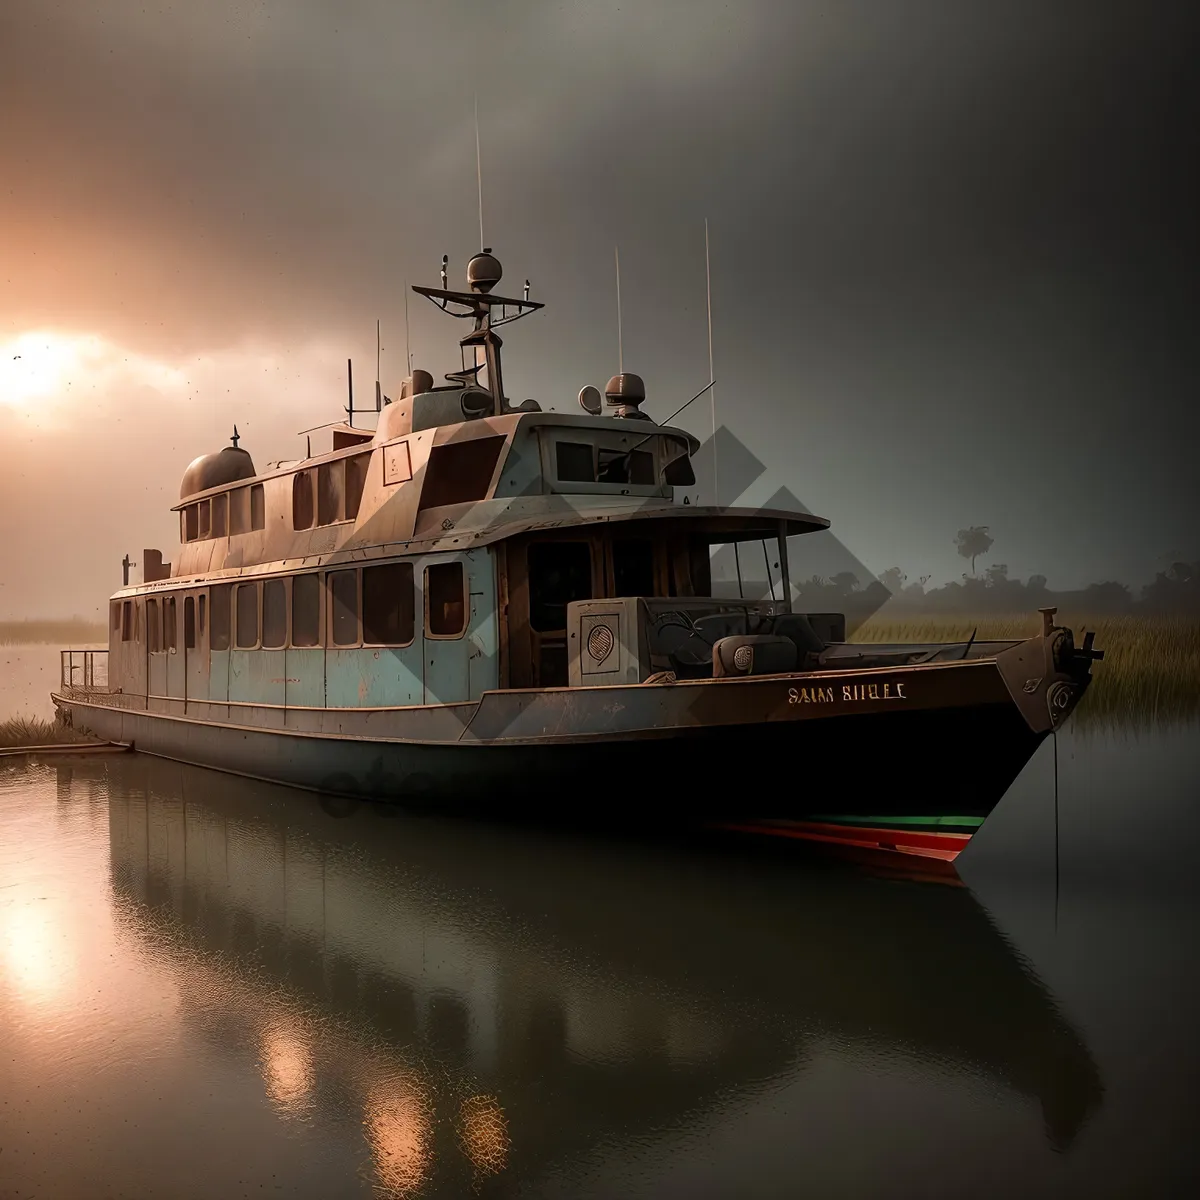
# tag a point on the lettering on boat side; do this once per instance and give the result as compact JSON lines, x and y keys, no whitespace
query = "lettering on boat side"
{"x":847,"y":692}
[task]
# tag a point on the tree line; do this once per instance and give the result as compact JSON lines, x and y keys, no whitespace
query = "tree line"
{"x":1174,"y":590}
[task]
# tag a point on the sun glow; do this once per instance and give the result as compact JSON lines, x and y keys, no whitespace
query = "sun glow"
{"x":45,"y":365}
{"x":39,"y":365}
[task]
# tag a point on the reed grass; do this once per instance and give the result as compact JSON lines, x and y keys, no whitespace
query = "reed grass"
{"x":68,"y":631}
{"x":29,"y":731}
{"x":1150,"y":672}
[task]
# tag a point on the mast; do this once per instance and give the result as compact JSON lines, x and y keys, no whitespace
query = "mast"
{"x":483,"y":273}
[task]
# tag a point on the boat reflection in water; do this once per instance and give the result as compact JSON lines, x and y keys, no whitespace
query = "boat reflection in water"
{"x":481,"y":1002}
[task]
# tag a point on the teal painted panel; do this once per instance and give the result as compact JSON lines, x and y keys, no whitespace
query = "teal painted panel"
{"x":483,"y":632}
{"x":447,"y":671}
{"x":256,"y":676}
{"x":158,"y":673}
{"x":305,"y":687}
{"x":196,"y":666}
{"x":176,"y":673}
{"x":373,"y":677}
{"x":218,"y":675}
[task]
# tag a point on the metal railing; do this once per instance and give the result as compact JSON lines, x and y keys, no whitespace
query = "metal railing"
{"x":78,"y":671}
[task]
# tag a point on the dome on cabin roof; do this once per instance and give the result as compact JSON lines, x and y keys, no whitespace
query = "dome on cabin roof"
{"x":213,"y":470}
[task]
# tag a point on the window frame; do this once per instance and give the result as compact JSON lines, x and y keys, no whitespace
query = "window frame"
{"x":235,"y":640}
{"x":466,"y":586}
{"x":321,"y":610}
{"x":412,"y":583}
{"x":153,"y":626}
{"x":284,"y":582}
{"x":330,"y":609}
{"x":258,"y":507}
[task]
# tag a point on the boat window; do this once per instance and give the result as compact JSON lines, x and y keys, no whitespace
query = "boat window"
{"x":218,"y":638}
{"x":247,"y":616}
{"x":343,"y":594}
{"x":239,"y":511}
{"x":388,"y":611}
{"x":127,"y":621}
{"x":258,"y":507}
{"x":633,"y":567}
{"x":445,"y":600}
{"x":559,"y":572}
{"x":115,"y":606}
{"x":306,"y":610}
{"x":329,"y":492}
{"x":621,"y":466}
{"x":274,"y":620}
{"x":220,"y":516}
{"x":302,"y":500}
{"x":190,"y":522}
{"x":153,"y":627}
{"x":203,"y":605}
{"x":170,"y":624}
{"x":183,"y":537}
{"x":189,"y":623}
{"x":356,"y":480}
{"x":137,"y":622}
{"x":205,"y":511}
{"x":575,"y":462}
{"x":460,"y":472}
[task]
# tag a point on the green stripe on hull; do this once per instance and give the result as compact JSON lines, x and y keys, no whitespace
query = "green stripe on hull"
{"x":903,"y":822}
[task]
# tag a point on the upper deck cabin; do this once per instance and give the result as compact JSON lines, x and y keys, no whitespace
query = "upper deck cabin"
{"x":503,"y":516}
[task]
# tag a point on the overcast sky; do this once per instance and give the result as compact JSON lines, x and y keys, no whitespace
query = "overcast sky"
{"x":953,"y":254}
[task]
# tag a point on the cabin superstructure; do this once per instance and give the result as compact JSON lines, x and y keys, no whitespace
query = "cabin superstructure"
{"x":433,"y":558}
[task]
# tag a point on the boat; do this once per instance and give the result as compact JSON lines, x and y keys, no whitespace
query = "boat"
{"x":487,"y":606}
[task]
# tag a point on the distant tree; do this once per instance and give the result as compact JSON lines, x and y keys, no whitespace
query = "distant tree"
{"x":973,"y":542}
{"x":893,"y":579}
{"x":845,"y":582}
{"x":1037,"y":583}
{"x":996,"y":575}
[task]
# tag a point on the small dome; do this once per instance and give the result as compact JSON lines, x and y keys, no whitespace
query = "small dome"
{"x":625,"y":388}
{"x":213,"y":470}
{"x":483,"y":271}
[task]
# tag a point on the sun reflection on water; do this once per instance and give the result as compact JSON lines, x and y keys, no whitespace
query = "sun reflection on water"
{"x":29,"y":956}
{"x":484,"y":1134}
{"x":400,"y":1134}
{"x":287,"y":1068}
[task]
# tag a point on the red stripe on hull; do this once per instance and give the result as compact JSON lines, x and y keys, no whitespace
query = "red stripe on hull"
{"x":922,"y":854}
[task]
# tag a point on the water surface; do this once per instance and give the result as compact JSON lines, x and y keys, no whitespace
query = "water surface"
{"x":216,"y":987}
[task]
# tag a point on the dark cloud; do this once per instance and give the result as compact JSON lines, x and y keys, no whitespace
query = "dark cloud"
{"x":953,"y":250}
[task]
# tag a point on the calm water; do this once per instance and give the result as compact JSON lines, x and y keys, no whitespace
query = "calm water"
{"x":210,"y":987}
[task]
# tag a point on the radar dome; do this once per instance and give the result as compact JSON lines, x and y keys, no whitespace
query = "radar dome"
{"x":214,"y":470}
{"x":484,"y":271}
{"x":625,"y":392}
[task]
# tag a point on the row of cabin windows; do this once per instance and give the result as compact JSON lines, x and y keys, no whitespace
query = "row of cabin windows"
{"x":579,"y":462}
{"x":364,"y":606}
{"x":242,"y":510}
{"x":329,"y":493}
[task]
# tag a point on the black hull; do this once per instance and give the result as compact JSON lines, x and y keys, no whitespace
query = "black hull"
{"x":925,"y":764}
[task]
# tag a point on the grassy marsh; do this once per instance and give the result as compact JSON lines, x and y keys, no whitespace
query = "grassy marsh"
{"x":29,"y":731}
{"x":1150,"y":671}
{"x":68,"y":631}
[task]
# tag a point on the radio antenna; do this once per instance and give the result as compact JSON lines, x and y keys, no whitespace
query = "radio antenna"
{"x":350,"y":389}
{"x":479,"y":170}
{"x":407,"y":346}
{"x":620,"y":347}
{"x":713,"y":393}
{"x":378,"y":352}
